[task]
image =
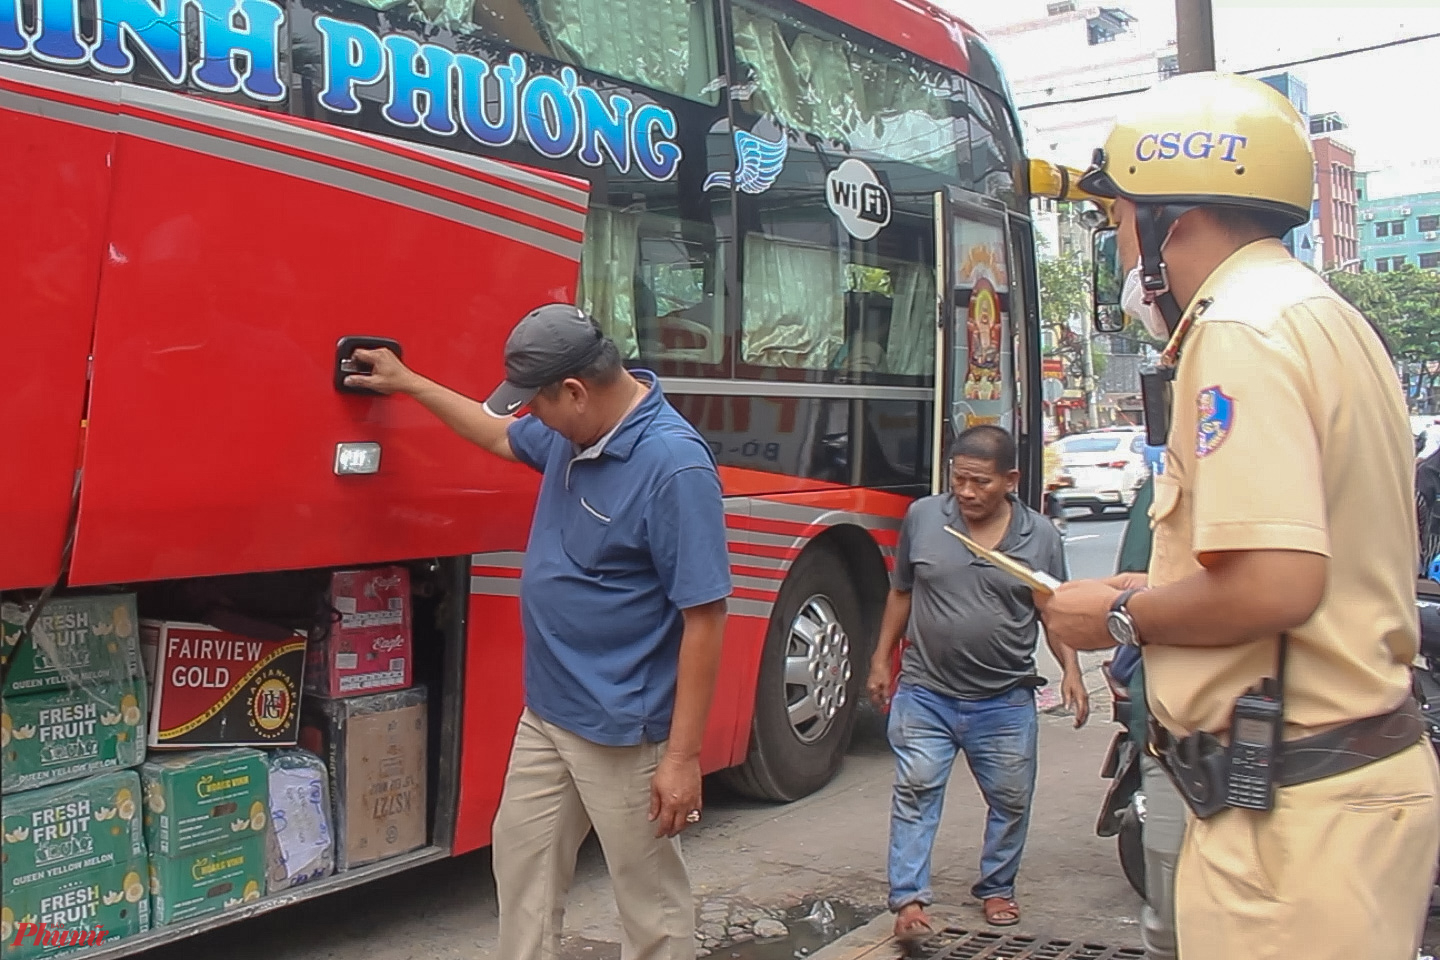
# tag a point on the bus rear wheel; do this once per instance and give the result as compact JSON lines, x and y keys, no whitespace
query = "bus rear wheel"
{"x":812,"y":675}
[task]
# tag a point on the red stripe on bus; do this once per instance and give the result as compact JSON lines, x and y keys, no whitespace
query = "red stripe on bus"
{"x":410,"y":183}
{"x":767,"y":573}
{"x":795,"y":528}
{"x":512,"y":573}
{"x":764,"y":596}
{"x":766,"y":550}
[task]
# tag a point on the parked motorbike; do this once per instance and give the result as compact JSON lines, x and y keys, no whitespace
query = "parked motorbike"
{"x":1122,"y":813}
{"x":1425,"y":677}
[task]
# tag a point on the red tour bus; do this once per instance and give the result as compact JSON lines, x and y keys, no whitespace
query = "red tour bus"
{"x":809,"y":217}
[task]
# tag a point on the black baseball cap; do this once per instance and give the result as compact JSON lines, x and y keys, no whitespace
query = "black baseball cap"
{"x":549,"y":344}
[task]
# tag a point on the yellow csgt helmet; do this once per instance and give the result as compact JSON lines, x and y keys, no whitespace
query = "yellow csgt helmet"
{"x":1203,"y":139}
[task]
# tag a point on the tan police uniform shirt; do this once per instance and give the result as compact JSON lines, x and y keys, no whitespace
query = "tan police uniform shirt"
{"x":1289,"y":431}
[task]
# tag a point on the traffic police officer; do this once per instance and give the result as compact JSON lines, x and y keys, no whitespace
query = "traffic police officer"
{"x":1277,"y":622}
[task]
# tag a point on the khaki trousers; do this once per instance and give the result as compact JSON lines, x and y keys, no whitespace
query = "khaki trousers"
{"x":1341,"y":869}
{"x":558,"y":786}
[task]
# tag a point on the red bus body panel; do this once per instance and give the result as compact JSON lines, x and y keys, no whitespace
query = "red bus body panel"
{"x":54,"y":187}
{"x":918,"y":26}
{"x":213,"y":414}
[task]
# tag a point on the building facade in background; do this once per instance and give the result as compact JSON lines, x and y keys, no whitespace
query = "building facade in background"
{"x":1076,"y":53}
{"x":1300,"y":241}
{"x":1399,"y":231}
{"x":1338,"y":195}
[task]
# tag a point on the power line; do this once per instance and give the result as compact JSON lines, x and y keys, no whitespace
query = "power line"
{"x":1274,"y":66}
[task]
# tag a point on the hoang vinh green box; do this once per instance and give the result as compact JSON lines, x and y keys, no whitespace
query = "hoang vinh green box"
{"x":71,"y":829}
{"x":204,"y":797}
{"x":109,"y":901}
{"x":212,"y":880}
{"x":76,"y":641}
{"x":61,"y":735}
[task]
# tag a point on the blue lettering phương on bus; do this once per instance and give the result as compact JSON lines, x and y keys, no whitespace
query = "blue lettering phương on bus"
{"x":503,"y":129}
{"x":419,"y":71}
{"x":552,"y":119}
{"x":423,"y":86}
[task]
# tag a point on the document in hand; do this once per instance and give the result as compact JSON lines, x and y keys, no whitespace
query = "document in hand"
{"x":1037,"y":580}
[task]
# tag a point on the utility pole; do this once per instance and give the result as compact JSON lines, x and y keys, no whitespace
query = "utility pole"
{"x":1092,"y":413}
{"x":1194,"y":36}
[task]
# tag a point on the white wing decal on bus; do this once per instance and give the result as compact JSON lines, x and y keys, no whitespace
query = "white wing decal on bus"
{"x":758,"y":164}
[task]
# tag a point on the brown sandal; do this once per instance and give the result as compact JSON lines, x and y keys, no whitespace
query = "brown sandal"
{"x":914,"y":930}
{"x":1001,"y":912}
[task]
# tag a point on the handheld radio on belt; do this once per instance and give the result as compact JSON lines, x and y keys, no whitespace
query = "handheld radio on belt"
{"x":1210,"y":775}
{"x":1257,"y":726}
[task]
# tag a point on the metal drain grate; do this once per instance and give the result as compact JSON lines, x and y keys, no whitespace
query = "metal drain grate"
{"x":954,"y":943}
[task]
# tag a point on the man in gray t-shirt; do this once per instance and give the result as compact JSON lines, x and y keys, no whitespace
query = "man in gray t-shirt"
{"x":967,"y":677}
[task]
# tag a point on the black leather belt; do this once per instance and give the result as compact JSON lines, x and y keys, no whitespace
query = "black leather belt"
{"x":1198,"y":763}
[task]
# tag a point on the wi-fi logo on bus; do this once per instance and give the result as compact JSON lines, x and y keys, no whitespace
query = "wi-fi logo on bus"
{"x":858,"y":198}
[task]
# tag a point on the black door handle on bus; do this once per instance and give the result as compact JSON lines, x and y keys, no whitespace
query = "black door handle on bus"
{"x":345,"y":364}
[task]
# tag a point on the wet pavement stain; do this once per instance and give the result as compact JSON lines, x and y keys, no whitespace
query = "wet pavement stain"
{"x":808,"y":927}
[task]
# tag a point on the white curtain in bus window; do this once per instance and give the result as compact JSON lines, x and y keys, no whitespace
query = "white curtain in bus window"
{"x":653,"y":42}
{"x":982,"y":370}
{"x":665,"y":44}
{"x":898,"y":109}
{"x":611,"y":238}
{"x":911,"y":344}
{"x":794,"y":304}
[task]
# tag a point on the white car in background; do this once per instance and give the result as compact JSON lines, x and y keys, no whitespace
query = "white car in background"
{"x":1107,"y":468}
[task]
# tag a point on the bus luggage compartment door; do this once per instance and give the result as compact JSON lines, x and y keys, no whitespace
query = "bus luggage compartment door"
{"x":54,"y":187}
{"x":244,"y":246}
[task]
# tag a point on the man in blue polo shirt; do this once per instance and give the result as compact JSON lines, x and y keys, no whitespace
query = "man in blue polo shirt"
{"x":623,"y":604}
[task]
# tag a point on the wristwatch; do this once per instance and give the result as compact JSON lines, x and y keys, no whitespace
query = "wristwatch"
{"x":1119,"y":622}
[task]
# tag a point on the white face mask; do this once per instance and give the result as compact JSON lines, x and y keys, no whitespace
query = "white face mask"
{"x":1132,"y":301}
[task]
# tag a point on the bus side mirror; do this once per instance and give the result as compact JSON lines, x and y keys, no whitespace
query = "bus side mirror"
{"x":1109,"y":280}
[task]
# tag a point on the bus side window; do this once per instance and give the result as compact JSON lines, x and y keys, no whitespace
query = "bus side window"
{"x":654,"y":284}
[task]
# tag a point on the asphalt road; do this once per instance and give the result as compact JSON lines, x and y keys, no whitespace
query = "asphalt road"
{"x":1093,"y":543}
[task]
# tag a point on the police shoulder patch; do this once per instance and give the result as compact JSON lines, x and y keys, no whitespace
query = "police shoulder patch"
{"x":1216,"y":418}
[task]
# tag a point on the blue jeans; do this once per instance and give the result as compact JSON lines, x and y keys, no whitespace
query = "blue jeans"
{"x":999,"y":738}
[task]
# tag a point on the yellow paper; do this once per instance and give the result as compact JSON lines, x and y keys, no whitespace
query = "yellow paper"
{"x":1036,"y":580}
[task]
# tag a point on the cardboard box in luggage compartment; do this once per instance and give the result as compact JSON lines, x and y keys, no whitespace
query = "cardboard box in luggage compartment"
{"x":76,"y":641}
{"x":212,"y":688}
{"x":201,"y":798}
{"x":70,"y":829}
{"x":301,"y":841}
{"x":366,"y":648}
{"x":213,"y":880}
{"x":375,"y":749}
{"x":110,"y":900}
{"x":60,"y":735}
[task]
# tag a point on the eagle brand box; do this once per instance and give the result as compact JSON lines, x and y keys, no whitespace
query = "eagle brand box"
{"x":366,"y":647}
{"x":212,"y":880}
{"x":71,"y":829}
{"x":201,"y":798}
{"x":212,"y":688}
{"x":76,"y":641}
{"x":60,"y":735}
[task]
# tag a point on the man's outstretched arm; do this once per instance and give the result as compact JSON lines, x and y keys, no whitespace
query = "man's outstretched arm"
{"x":466,"y":417}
